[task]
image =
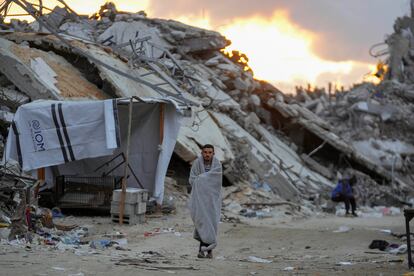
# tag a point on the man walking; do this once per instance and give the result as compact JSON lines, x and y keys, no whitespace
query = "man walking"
{"x":205,"y":199}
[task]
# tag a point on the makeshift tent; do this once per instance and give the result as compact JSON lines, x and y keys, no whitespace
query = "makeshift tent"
{"x":88,"y":138}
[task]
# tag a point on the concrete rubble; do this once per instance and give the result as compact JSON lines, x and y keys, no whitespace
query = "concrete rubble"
{"x":276,"y":149}
{"x":376,"y":120}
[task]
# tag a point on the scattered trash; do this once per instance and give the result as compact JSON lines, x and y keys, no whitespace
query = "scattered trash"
{"x":387,"y":247}
{"x":58,"y":268}
{"x":263,"y":214}
{"x":343,"y":229}
{"x":4,"y":233}
{"x":153,"y":264}
{"x":344,"y":263}
{"x":234,"y":207}
{"x":262,"y":185}
{"x":248,"y":213}
{"x":57,"y":213}
{"x":158,"y":231}
{"x":387,"y":231}
{"x":254,"y":259}
{"x":123,"y":241}
{"x":101,"y":244}
{"x":402,"y":249}
{"x":288,"y":268}
{"x":379,"y":244}
{"x":116,"y":235}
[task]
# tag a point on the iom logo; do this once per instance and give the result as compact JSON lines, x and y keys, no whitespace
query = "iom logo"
{"x":37,"y":137}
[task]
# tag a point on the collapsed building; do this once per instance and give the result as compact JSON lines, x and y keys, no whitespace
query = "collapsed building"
{"x":295,"y":145}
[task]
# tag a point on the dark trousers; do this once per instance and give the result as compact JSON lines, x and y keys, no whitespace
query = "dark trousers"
{"x":347,"y":200}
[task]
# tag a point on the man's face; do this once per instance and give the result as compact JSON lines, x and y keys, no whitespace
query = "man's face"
{"x":207,"y":154}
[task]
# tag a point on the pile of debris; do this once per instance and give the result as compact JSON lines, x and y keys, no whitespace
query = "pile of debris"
{"x":376,"y":120}
{"x":261,"y":135}
{"x":18,"y":194}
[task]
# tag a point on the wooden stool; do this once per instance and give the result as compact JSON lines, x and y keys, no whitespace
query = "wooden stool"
{"x":408,"y":214}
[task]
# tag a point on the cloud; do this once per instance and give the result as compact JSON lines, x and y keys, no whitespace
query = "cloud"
{"x":345,"y":29}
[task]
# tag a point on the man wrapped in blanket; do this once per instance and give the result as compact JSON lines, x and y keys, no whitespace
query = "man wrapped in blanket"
{"x":205,"y":199}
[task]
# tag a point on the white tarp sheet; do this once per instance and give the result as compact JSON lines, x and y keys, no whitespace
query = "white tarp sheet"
{"x":148,"y":157}
{"x":48,"y":133}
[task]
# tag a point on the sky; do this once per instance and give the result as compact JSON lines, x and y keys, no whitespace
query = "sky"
{"x":288,"y":42}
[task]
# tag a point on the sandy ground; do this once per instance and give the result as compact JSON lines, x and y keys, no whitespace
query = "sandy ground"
{"x":307,"y":246}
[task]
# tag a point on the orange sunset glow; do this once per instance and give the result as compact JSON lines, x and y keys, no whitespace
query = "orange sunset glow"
{"x":278,"y":50}
{"x":281,"y":52}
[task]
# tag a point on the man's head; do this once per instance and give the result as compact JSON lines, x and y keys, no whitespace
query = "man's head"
{"x":207,"y":151}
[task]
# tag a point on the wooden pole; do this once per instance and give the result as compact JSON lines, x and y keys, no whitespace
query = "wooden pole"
{"x":41,"y":176}
{"x":124,"y":179}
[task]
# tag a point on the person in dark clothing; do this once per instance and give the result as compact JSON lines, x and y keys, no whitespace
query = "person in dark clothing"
{"x":343,"y":193}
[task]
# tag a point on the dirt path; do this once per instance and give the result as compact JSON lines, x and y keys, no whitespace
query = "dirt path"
{"x":308,"y":247}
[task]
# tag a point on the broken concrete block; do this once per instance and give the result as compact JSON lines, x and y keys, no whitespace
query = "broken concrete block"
{"x":129,"y":219}
{"x":12,"y":98}
{"x":123,"y":32}
{"x":131,"y":195}
{"x":385,"y":112}
{"x":189,"y":141}
{"x":271,"y":101}
{"x":142,"y":195}
{"x":280,"y":98}
{"x":254,"y":100}
{"x":44,"y":72}
{"x":319,"y":108}
{"x":314,"y":165}
{"x":205,"y":43}
{"x":79,"y":30}
{"x":6,"y":116}
{"x":281,"y":187}
{"x":22,"y":75}
{"x":230,"y":68}
{"x":178,"y":35}
{"x":57,"y":16}
{"x":251,"y":120}
{"x":129,"y":209}
{"x":241,"y":85}
{"x":141,"y":208}
{"x":369,"y":120}
{"x":212,"y":62}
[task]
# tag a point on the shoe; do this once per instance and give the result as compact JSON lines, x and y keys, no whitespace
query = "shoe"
{"x":209,"y":255}
{"x":354,"y":214}
{"x":201,"y":255}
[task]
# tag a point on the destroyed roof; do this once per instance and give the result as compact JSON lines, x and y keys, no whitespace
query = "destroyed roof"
{"x":44,"y":75}
{"x":112,"y":73}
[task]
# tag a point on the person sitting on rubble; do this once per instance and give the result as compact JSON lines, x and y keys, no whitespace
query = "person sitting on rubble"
{"x":205,"y":200}
{"x":343,"y":192}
